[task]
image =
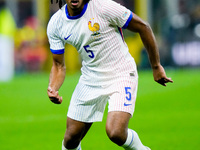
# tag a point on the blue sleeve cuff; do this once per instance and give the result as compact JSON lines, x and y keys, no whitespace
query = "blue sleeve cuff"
{"x":128,"y":21}
{"x":60,"y":51}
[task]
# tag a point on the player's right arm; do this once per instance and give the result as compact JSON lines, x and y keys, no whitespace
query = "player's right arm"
{"x":56,"y":79}
{"x":58,"y":69}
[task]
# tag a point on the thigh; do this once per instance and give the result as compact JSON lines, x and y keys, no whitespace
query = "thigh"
{"x":75,"y":132}
{"x":87,"y":103}
{"x":118,"y":120}
{"x":77,"y":128}
{"x":117,"y":126}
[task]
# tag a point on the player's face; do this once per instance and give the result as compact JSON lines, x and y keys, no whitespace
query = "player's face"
{"x":74,"y":6}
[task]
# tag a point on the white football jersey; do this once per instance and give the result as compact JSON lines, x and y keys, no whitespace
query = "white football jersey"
{"x":96,"y":33}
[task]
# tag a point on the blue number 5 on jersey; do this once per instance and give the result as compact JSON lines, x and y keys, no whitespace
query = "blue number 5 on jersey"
{"x":90,"y":53}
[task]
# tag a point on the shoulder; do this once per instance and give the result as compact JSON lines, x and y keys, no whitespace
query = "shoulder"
{"x":55,"y":17}
{"x":111,"y":5}
{"x":107,"y":6}
{"x":98,"y":4}
{"x":100,"y":7}
{"x":55,"y":20}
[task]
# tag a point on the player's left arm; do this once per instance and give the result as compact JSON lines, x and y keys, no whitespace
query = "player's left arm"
{"x":147,"y":36}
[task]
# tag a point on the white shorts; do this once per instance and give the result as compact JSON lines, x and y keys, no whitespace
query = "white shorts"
{"x":88,"y":102}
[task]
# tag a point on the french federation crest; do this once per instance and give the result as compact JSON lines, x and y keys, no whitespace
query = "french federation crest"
{"x":95,"y":28}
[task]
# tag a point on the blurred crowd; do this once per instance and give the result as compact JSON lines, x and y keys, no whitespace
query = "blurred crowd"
{"x":29,"y":37}
{"x":178,"y":31}
{"x":30,"y":46}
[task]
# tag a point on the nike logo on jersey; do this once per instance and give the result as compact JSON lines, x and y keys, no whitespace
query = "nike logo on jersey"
{"x":127,"y":104}
{"x":67,"y":37}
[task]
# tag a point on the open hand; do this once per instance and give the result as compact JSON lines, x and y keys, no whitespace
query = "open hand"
{"x":160,"y":76}
{"x":54,"y":96}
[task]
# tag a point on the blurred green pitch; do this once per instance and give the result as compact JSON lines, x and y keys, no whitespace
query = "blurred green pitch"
{"x":166,"y":118}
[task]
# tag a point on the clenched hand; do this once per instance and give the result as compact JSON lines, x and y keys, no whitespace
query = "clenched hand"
{"x":160,"y":76}
{"x":54,"y":96}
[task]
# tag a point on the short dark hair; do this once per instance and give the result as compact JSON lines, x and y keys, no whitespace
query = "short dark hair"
{"x":87,"y":1}
{"x":61,"y":2}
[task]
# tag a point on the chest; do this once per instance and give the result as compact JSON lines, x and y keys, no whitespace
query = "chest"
{"x":87,"y":30}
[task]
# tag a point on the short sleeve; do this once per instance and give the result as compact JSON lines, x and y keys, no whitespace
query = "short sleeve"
{"x":56,"y":44}
{"x":117,"y":14}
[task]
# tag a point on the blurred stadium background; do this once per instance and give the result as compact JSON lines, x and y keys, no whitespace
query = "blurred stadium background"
{"x":166,"y":119}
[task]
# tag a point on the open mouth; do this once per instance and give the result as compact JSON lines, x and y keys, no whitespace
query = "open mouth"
{"x":74,"y":2}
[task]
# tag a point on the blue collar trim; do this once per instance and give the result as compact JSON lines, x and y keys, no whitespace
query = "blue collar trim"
{"x":79,"y":15}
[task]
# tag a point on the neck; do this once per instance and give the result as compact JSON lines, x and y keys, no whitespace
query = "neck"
{"x":75,"y":12}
